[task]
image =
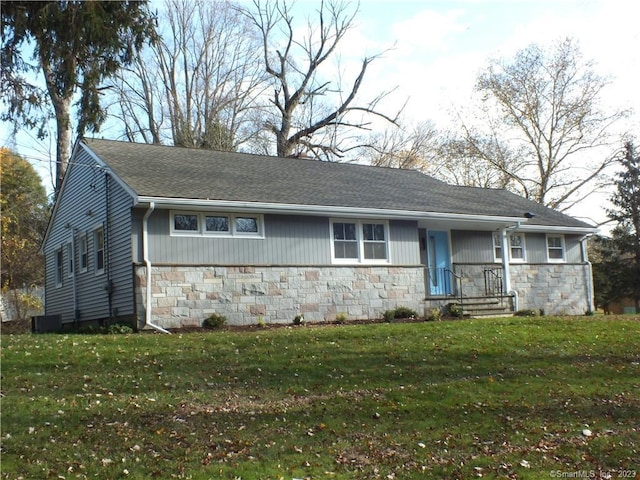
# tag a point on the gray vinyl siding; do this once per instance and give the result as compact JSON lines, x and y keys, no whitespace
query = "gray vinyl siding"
{"x":536,"y":245}
{"x":119,"y":259}
{"x":288,"y":240}
{"x":573,"y":248}
{"x":471,"y":247}
{"x":404,"y":243}
{"x":536,"y":248}
{"x":477,"y":247}
{"x":82,"y":208}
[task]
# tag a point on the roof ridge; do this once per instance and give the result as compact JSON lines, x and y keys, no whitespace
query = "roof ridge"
{"x":271,"y":157}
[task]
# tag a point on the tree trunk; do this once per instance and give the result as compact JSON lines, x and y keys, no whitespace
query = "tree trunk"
{"x":62,"y":107}
{"x":63,"y":142}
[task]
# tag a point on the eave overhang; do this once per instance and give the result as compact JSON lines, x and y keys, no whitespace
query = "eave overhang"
{"x":487,"y":221}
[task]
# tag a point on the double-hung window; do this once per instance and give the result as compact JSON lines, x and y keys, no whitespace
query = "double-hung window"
{"x":345,"y":241}
{"x":555,"y":248}
{"x":70,"y":259}
{"x":59,"y":267}
{"x":374,"y":241}
{"x":359,"y":241}
{"x":84,"y":253}
{"x":497,"y":247}
{"x":516,"y":241}
{"x":516,"y":247}
{"x":98,"y":242}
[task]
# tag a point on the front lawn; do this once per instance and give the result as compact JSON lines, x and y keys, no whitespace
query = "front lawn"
{"x":525,"y":398}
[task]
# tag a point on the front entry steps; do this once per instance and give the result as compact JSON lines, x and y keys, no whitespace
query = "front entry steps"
{"x":475,"y":307}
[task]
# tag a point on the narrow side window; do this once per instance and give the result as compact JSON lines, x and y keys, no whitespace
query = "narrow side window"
{"x":59,"y":267}
{"x":98,"y":242}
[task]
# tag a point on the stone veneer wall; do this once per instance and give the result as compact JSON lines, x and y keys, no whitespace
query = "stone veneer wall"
{"x":555,"y":288}
{"x":186,"y":295}
{"x":473,"y":277}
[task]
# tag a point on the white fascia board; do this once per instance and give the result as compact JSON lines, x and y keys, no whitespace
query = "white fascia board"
{"x":557,"y":229}
{"x":322,"y":210}
{"x":54,"y":211}
{"x":106,"y":168}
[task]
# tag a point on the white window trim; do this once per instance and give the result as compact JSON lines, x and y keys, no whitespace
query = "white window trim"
{"x":562,"y":247}
{"x":95,"y":251}
{"x":84,"y":242}
{"x":202,"y":231}
{"x":59,"y":267}
{"x":511,"y":259}
{"x":360,"y":241}
{"x":495,"y":246}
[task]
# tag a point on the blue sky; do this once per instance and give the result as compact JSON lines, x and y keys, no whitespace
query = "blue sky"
{"x":434,"y":50}
{"x":441,"y":45}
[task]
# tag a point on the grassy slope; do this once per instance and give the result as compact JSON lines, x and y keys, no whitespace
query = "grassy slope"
{"x":501,"y":398}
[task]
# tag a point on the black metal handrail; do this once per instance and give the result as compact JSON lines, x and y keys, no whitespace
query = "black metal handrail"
{"x":443,"y":279}
{"x":493,"y":282}
{"x":458,"y":286}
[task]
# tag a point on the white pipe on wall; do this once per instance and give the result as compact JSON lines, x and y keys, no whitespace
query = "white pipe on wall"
{"x":588,"y":274}
{"x":147,"y":263}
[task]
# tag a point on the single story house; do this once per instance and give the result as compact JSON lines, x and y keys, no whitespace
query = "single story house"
{"x":167,"y":236}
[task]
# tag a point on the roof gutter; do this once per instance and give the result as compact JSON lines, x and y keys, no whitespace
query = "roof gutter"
{"x":557,"y":229}
{"x":147,"y":263}
{"x":264,"y":207}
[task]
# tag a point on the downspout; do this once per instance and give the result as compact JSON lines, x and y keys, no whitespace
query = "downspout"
{"x":75,"y":285}
{"x":72,"y":260}
{"x":107,"y":246}
{"x":147,"y":263}
{"x":504,"y":232}
{"x":588,"y":273}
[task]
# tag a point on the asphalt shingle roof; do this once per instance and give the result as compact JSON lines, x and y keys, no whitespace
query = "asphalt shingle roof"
{"x":183,"y":173}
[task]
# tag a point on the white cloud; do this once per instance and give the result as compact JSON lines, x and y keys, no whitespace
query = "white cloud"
{"x":427,"y":31}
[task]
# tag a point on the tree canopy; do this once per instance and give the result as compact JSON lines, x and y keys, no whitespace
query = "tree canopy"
{"x":626,"y":211}
{"x":541,"y":125}
{"x":75,"y":45}
{"x":616,"y":259}
{"x":25,"y":212}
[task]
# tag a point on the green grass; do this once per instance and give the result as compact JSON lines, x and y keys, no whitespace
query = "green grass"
{"x":497,"y":398}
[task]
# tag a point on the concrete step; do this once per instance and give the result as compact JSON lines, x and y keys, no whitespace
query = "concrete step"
{"x":486,"y":306}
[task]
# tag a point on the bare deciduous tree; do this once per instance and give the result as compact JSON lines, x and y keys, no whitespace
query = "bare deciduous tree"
{"x":399,"y":147}
{"x":198,"y":83}
{"x":310,"y":111}
{"x":439,"y":154}
{"x":546,"y":113}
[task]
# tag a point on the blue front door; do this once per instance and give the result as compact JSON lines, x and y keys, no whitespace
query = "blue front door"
{"x":438,"y":263}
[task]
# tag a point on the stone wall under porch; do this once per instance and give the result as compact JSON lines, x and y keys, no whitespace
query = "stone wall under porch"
{"x":554,"y":288}
{"x":186,"y":295}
